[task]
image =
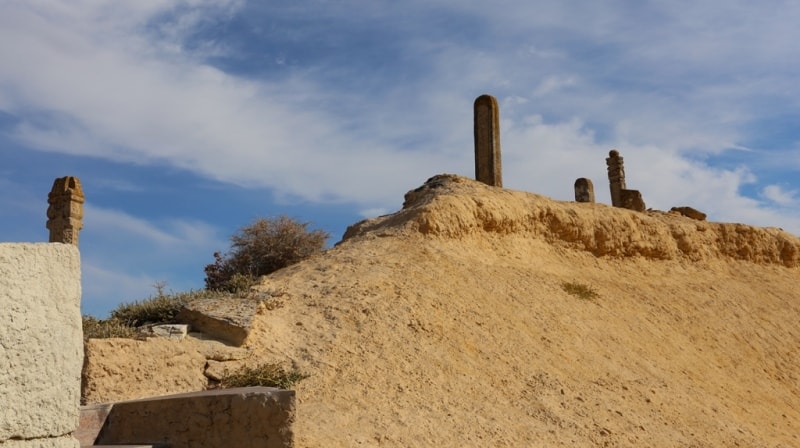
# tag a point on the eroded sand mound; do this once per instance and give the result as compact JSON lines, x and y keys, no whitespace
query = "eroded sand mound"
{"x":447,"y":324}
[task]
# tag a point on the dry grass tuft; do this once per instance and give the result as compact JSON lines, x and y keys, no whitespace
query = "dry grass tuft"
{"x":580,"y":290}
{"x":267,"y":375}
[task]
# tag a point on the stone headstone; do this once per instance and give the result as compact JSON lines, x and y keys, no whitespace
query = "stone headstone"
{"x":65,"y":213}
{"x":584,"y":190}
{"x":488,"y":167}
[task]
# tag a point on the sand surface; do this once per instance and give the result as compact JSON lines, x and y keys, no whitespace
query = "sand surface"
{"x":447,"y":324}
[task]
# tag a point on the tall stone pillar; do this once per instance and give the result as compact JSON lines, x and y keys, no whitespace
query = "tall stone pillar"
{"x":488,"y":168}
{"x":65,"y":213}
{"x":584,"y":190}
{"x":616,"y":177}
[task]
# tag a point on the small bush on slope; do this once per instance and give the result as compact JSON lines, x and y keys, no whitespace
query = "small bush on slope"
{"x":260,"y":248}
{"x":580,"y":290}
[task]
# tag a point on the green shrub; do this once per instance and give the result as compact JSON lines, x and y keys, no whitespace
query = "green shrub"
{"x":580,"y":290}
{"x":263,"y":247}
{"x":94,"y":328}
{"x":267,"y":375}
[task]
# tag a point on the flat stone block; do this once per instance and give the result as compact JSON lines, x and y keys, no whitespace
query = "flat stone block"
{"x":224,"y":319}
{"x":246,"y":417}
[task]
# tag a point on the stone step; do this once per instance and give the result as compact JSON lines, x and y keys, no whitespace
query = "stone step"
{"x":222,"y":418}
{"x":92,"y":419}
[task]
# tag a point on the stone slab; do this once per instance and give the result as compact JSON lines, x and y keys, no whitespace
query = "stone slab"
{"x":224,"y":319}
{"x":241,"y":417}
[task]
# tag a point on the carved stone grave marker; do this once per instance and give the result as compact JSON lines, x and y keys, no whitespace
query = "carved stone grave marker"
{"x":584,"y":190}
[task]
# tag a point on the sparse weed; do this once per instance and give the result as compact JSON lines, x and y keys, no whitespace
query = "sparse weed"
{"x":158,"y":309}
{"x":580,"y":290}
{"x":267,"y":375}
{"x":94,"y":328}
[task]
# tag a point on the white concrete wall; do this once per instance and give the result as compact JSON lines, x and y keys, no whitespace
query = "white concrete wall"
{"x":40,"y":344}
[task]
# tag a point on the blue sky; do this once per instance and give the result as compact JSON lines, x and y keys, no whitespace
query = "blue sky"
{"x":185,"y":120}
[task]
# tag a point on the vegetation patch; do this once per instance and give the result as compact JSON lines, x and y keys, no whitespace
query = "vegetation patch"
{"x":94,"y":328}
{"x":266,"y":375}
{"x":580,"y":290}
{"x":160,"y":309}
{"x":260,"y":248}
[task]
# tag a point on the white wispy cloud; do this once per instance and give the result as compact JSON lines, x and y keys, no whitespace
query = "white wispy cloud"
{"x":169,"y":235}
{"x":669,"y":85}
{"x":780,"y":196}
{"x":109,"y":287}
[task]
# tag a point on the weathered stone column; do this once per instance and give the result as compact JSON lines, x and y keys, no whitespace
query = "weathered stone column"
{"x":584,"y":190}
{"x":616,"y":177}
{"x":488,"y":168}
{"x":620,"y":195}
{"x":65,"y":213}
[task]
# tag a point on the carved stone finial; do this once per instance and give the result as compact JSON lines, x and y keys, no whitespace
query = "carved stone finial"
{"x":488,"y":167}
{"x":65,"y":213}
{"x":584,"y":190}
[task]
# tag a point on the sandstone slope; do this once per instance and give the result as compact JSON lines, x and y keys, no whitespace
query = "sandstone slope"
{"x":447,"y":324}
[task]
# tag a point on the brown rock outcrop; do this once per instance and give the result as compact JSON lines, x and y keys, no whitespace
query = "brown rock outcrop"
{"x":689,"y":212}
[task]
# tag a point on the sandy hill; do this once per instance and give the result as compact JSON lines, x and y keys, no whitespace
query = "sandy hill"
{"x":447,"y":324}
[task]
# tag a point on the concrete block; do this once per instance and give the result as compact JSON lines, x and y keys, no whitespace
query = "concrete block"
{"x":41,"y":343}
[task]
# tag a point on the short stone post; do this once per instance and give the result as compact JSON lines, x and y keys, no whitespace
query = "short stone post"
{"x":584,"y":190}
{"x":488,"y":168}
{"x":616,"y":177}
{"x":65,"y":213}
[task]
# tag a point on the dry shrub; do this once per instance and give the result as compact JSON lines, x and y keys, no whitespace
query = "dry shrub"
{"x":260,"y":248}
